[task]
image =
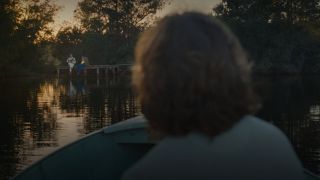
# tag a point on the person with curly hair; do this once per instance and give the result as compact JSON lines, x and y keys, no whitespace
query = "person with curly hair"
{"x":193,"y":80}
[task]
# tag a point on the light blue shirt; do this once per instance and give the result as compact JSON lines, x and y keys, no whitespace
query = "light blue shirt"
{"x":251,"y":149}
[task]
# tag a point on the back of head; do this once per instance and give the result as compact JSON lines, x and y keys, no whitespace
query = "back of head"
{"x":191,"y":74}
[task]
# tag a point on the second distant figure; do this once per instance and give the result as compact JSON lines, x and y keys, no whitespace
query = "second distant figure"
{"x":82,"y":66}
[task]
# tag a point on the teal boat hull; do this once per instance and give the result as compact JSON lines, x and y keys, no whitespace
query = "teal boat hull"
{"x":104,"y":154}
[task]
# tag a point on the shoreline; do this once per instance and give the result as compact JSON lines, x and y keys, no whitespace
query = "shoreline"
{"x":50,"y":72}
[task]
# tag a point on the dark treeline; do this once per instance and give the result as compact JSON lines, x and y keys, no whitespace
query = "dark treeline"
{"x":105,"y":32}
{"x":25,"y":34}
{"x":108,"y":29}
{"x":281,"y":36}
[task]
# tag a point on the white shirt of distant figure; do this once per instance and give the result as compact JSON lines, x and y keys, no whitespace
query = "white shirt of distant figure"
{"x":71,"y":62}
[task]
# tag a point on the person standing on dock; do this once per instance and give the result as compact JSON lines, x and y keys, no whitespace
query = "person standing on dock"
{"x":81,"y":67}
{"x":71,"y":62}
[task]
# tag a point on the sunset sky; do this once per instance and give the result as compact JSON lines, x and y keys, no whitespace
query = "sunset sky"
{"x":68,"y":7}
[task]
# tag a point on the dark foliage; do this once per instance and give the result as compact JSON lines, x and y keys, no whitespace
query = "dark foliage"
{"x":282,"y":36}
{"x":25,"y":34}
{"x":108,"y":30}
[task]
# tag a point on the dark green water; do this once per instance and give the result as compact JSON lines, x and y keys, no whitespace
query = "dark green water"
{"x":38,"y":116}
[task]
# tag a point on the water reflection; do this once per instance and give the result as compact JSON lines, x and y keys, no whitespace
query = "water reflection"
{"x":38,"y":116}
{"x":293,"y":104}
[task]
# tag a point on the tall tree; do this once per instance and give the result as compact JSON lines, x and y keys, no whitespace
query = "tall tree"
{"x":110,"y":27}
{"x":280,"y":35}
{"x":118,"y":17}
{"x":25,"y":26}
{"x":291,"y":11}
{"x":7,"y":23}
{"x":33,"y":28}
{"x":68,"y":40}
{"x":35,"y":18}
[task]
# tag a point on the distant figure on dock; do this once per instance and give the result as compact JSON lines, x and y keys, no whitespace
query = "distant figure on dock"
{"x":193,"y":80}
{"x":85,"y":60}
{"x":82,"y":66}
{"x":71,"y":62}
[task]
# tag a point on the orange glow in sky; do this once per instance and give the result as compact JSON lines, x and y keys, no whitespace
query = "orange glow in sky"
{"x":65,"y":15}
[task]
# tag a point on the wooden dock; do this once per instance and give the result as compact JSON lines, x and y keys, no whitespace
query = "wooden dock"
{"x":98,"y":69}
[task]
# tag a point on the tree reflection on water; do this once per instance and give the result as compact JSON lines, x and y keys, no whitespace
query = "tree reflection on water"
{"x":40,"y":115}
{"x":293,"y":104}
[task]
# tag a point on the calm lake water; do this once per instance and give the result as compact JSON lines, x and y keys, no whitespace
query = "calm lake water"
{"x":37,"y":116}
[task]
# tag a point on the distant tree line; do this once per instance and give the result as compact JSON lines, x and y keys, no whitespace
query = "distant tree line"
{"x":107,"y":31}
{"x":25,"y":35}
{"x":281,"y":36}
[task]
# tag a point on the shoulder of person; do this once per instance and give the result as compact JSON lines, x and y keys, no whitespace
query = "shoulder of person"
{"x":252,"y":134}
{"x":259,"y":126}
{"x":264,"y":135}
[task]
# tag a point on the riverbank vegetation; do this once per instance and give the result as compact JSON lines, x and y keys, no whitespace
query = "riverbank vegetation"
{"x":281,"y":36}
{"x":25,"y":35}
{"x":105,"y":32}
{"x":107,"y":29}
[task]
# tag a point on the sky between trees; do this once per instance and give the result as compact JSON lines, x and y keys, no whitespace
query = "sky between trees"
{"x":66,"y":13}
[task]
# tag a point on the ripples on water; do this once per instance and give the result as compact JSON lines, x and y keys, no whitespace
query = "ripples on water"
{"x":293,"y":104}
{"x":39,"y":116}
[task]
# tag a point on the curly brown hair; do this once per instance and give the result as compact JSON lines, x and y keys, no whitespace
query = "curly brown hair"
{"x":192,"y":75}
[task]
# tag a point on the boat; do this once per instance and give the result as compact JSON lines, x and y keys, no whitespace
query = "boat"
{"x":104,"y":154}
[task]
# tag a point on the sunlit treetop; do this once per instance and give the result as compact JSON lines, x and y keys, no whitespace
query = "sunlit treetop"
{"x":117,"y":17}
{"x":34,"y":19}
